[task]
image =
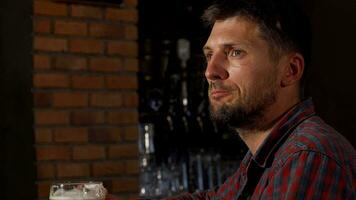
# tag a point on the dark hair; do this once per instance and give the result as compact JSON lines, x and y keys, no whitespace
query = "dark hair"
{"x":283,"y":24}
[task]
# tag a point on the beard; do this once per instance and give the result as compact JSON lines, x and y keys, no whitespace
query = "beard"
{"x":245,"y":112}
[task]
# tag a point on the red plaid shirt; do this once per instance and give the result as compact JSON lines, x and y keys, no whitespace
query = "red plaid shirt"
{"x":302,"y":158}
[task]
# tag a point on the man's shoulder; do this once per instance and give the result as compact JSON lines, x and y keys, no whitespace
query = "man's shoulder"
{"x":315,"y":136}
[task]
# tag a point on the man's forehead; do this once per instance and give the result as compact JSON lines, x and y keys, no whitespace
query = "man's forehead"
{"x":232,"y":31}
{"x":241,"y":20}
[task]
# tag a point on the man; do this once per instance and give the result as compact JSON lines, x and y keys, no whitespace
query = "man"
{"x":257,"y":53}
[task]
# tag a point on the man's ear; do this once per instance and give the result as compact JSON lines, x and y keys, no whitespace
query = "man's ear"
{"x":293,"y":69}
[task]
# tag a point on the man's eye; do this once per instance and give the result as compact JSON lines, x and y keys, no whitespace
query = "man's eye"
{"x":235,"y":52}
{"x":207,"y":57}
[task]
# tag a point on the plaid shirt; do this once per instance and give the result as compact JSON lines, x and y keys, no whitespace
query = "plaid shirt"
{"x":302,"y":158}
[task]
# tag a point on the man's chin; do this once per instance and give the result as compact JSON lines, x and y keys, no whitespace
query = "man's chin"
{"x":218,"y":105}
{"x":220,"y":114}
{"x":231,"y":116}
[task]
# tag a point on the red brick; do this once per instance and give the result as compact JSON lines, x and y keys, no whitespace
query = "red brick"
{"x":43,"y":135}
{"x":123,"y":151}
{"x":106,"y":30}
{"x":51,"y":80}
{"x":128,"y":48}
{"x":130,"y":3}
{"x":131,"y":32}
{"x":131,"y":133}
{"x":132,"y":167}
{"x":42,"y":26}
{"x":87,"y":117}
{"x":70,"y":135}
{"x":53,"y":153}
{"x":70,"y":28}
{"x":121,"y":82}
{"x":106,"y":100}
{"x":50,"y":8}
{"x":130,"y":100}
{"x":50,"y":44}
{"x":51,"y":117}
{"x":108,"y":169}
{"x":86,"y":11}
{"x":125,"y":185}
{"x":106,"y":134}
{"x":41,"y":62}
{"x":43,"y":189}
{"x":131,"y":64}
{"x":87,"y":82}
{"x":72,"y":170}
{"x":107,"y":184}
{"x":45,"y":171}
{"x":124,"y":117}
{"x":42,"y":99}
{"x":126,"y":15}
{"x":133,"y":197}
{"x":89,"y":152}
{"x":89,"y":46}
{"x":70,"y":99}
{"x":70,"y":63}
{"x":106,"y":64}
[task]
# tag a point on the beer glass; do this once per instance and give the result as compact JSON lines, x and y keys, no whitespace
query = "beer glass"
{"x":77,"y":191}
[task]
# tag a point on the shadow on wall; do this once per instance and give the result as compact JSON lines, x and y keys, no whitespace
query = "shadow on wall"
{"x":333,"y":64}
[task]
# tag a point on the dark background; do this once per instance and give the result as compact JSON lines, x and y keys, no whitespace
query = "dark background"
{"x":333,"y":64}
{"x":16,"y":116}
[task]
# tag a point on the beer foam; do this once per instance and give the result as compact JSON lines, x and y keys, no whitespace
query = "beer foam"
{"x":89,"y":191}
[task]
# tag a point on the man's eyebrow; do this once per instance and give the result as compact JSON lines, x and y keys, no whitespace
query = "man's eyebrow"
{"x":231,"y":44}
{"x":206,"y":48}
{"x":227,"y":45}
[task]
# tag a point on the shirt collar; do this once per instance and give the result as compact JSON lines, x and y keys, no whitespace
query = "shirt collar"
{"x":281,"y":131}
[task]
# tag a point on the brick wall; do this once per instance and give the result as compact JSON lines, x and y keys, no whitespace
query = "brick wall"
{"x":85,"y":100}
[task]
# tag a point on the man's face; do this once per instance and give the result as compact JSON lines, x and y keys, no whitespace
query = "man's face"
{"x":243,"y":78}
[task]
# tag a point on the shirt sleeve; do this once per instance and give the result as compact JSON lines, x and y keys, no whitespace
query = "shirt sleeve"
{"x":310,"y":175}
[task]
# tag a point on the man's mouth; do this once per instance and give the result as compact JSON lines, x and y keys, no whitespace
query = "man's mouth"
{"x":218,"y":93}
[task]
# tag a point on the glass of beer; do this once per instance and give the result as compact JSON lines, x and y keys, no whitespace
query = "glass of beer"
{"x":77,"y":191}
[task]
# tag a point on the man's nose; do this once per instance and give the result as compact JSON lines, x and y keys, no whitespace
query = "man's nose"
{"x":216,"y":68}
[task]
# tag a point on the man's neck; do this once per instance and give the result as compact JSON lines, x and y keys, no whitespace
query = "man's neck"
{"x":254,"y":138}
